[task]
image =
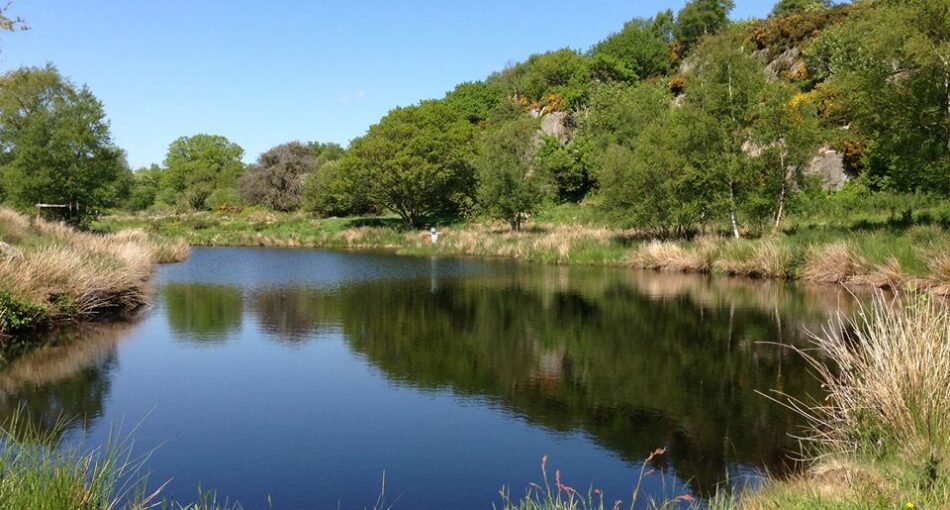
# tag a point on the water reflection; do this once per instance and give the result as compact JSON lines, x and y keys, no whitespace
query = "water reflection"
{"x":632,"y":360}
{"x":202,"y":313}
{"x":70,"y":379}
{"x":293,"y":314}
{"x":634,"y":371}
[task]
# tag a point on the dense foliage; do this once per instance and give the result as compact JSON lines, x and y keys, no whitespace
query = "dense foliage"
{"x":55,"y":145}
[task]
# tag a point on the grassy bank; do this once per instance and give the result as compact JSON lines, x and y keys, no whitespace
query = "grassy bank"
{"x":879,"y":252}
{"x":51,"y":273}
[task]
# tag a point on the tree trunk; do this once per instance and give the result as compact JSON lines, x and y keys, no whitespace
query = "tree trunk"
{"x":517,"y":222}
{"x":732,"y":210}
{"x":781,"y":195}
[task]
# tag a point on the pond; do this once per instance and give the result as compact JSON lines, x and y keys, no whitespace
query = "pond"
{"x":305,"y":375}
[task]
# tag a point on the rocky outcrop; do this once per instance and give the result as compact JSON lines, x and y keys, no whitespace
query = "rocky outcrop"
{"x":559,"y":125}
{"x":788,"y":66}
{"x":828,"y":165}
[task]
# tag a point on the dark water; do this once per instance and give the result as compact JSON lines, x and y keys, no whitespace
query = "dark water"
{"x":304,"y":375}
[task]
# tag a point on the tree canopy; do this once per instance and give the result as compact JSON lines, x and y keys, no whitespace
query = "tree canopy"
{"x":416,"y":162}
{"x":198,"y":165}
{"x":55,"y":143}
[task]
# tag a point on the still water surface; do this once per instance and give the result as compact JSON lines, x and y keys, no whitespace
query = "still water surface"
{"x":305,"y":375}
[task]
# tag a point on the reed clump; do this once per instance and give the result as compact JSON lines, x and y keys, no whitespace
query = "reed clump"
{"x":881,"y":436}
{"x":762,"y":259}
{"x":58,"y":273}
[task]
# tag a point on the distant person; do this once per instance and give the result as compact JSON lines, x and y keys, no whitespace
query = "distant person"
{"x":434,"y":235}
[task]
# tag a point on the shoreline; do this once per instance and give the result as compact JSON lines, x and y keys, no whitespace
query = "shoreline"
{"x":915,"y":260}
{"x":53,"y":275}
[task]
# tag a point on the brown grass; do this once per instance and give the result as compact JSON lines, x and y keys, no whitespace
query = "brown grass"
{"x":670,"y":257}
{"x":832,"y":263}
{"x":939,"y":281}
{"x":767,"y":260}
{"x":75,"y":274}
{"x":887,"y":372}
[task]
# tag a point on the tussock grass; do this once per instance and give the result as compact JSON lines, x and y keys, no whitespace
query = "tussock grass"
{"x":64,"y":274}
{"x":670,"y":257}
{"x":764,"y":259}
{"x":881,"y":437}
{"x":832,"y":263}
{"x":889,"y":383}
{"x":940,"y":275}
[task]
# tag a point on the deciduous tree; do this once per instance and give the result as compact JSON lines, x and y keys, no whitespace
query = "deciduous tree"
{"x":510,"y":183}
{"x":197,"y":165}
{"x":55,"y":144}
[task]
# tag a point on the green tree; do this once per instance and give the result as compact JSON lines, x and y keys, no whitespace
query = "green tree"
{"x":786,"y":135}
{"x":510,"y":184}
{"x":888,"y":71}
{"x":560,"y":76}
{"x":276,"y":180}
{"x":727,"y":88}
{"x":415,"y":162}
{"x":784,"y":7}
{"x":565,"y":168}
{"x":475,"y":100}
{"x":325,"y":152}
{"x":197,"y":165}
{"x":699,"y":18}
{"x":146,"y":184}
{"x":55,"y":144}
{"x":618,"y":113}
{"x":638,"y":47}
{"x":661,"y":180}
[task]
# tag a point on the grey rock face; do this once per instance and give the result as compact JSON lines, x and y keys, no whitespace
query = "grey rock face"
{"x":559,"y":125}
{"x":828,"y":164}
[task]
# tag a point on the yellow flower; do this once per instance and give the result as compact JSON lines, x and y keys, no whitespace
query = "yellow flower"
{"x":910,"y":504}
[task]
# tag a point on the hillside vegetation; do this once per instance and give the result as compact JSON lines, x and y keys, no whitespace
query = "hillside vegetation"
{"x":676,"y":125}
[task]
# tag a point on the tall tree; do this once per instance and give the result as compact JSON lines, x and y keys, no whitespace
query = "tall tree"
{"x":728,"y":87}
{"x":699,"y":18}
{"x":785,"y":137}
{"x":277,"y":178}
{"x":510,"y":183}
{"x":198,"y":165}
{"x":415,"y":162}
{"x":55,"y":144}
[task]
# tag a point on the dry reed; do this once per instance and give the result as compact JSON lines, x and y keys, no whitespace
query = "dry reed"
{"x":72,"y":274}
{"x":887,"y":372}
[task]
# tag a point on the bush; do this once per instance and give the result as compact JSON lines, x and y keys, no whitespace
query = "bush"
{"x":17,"y":314}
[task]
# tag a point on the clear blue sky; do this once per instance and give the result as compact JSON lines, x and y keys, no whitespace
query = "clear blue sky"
{"x":266,"y":72}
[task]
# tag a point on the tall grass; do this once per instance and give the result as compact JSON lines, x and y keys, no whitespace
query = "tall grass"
{"x":59,"y":273}
{"x":889,"y":384}
{"x":881,"y":437}
{"x":38,"y":472}
{"x":561,"y":496}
